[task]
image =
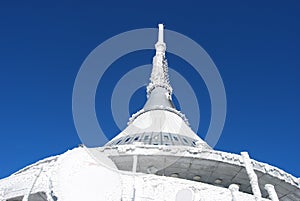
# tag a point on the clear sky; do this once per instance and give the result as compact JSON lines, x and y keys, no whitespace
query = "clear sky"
{"x":255,"y":46}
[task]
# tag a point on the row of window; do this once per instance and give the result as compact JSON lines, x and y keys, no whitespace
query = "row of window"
{"x":155,"y":138}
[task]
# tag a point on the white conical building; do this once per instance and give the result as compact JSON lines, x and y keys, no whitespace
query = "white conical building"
{"x":157,"y":157}
{"x":159,"y":123}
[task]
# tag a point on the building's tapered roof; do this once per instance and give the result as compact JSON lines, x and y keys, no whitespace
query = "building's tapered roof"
{"x":159,"y":123}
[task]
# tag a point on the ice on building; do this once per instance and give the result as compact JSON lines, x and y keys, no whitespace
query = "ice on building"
{"x":157,"y":157}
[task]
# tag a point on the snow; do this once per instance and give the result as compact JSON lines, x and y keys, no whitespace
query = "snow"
{"x":75,"y":176}
{"x":80,"y":177}
{"x":160,"y":120}
{"x":88,"y":174}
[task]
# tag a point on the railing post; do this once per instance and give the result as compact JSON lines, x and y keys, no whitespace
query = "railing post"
{"x":234,"y":188}
{"x":252,"y":176}
{"x":271,"y":191}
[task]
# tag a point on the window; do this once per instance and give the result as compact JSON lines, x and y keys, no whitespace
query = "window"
{"x":166,"y":137}
{"x":136,"y":138}
{"x":146,"y":137}
{"x":175,"y":138}
{"x":185,"y":141}
{"x":127,"y":139}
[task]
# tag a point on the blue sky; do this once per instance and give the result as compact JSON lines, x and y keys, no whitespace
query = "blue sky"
{"x":254,"y":45}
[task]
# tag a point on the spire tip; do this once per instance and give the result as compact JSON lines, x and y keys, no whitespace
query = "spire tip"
{"x":160,"y":26}
{"x":160,"y":33}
